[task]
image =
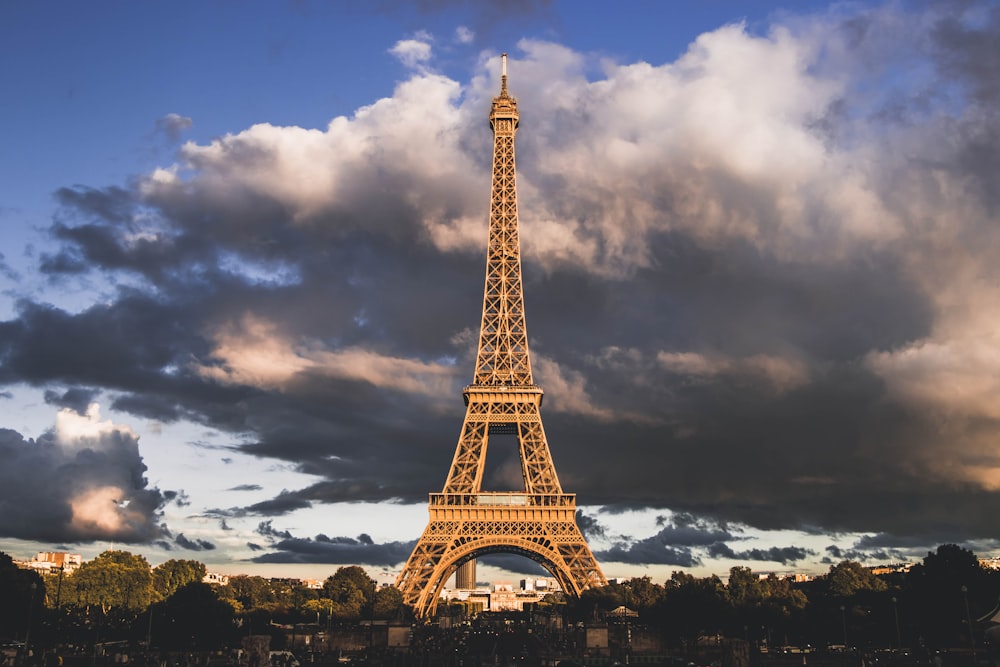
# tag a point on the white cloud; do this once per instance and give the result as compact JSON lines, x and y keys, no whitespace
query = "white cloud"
{"x":413,"y":53}
{"x":76,"y":431}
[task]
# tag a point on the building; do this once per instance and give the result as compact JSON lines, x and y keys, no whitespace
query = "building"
{"x":503,"y":596}
{"x":215,"y":579}
{"x":53,"y":561}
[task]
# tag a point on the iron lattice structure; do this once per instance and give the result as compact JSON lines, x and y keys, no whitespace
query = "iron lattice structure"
{"x":465,"y":521}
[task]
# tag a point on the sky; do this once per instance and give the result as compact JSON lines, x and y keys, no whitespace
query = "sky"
{"x":243,"y":253}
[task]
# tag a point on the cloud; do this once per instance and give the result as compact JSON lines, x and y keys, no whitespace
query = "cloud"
{"x":193,"y":545}
{"x":413,"y":53}
{"x":780,"y":374}
{"x":77,"y":399}
{"x":783,"y":555}
{"x":172,"y":126}
{"x":335,"y":551}
{"x":589,"y":526}
{"x":253,"y":353}
{"x":673,"y":544}
{"x":81,"y":481}
{"x":758,"y":283}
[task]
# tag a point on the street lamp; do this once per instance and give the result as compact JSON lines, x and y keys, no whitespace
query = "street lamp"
{"x":968,"y":618}
{"x":843,"y":622}
{"x":27,"y":633}
{"x":895,"y":612}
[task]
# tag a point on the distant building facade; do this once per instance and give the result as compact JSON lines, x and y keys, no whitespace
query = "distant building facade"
{"x":215,"y":579}
{"x":503,"y":596}
{"x":52,"y":561}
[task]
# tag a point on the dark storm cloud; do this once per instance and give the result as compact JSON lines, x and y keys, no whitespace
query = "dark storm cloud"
{"x":673,"y":544}
{"x":283,"y":547}
{"x":74,"y":398}
{"x":193,"y":545}
{"x":282,"y":504}
{"x":82,"y":487}
{"x":589,"y":526}
{"x":969,"y":53}
{"x":649,"y":551}
{"x":783,"y":555}
{"x":267,"y":530}
{"x":336,"y":551}
{"x":836,"y":555}
{"x":246,"y":487}
{"x":737,"y":320}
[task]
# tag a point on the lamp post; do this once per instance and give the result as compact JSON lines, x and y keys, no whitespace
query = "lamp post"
{"x":628,"y":627}
{"x":149,"y":633}
{"x":27,"y":633}
{"x":968,"y":619}
{"x":895,"y":613}
{"x":371,"y":623}
{"x":843,"y":623}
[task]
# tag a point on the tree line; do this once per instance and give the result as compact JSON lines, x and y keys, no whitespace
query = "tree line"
{"x":118,"y":596}
{"x":935,"y":604}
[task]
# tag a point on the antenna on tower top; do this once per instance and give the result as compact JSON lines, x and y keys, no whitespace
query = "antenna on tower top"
{"x":503,"y":74}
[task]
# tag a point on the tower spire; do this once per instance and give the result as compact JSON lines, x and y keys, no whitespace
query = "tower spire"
{"x":503,"y":339}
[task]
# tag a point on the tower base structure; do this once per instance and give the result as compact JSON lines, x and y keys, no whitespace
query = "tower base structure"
{"x":462,"y":527}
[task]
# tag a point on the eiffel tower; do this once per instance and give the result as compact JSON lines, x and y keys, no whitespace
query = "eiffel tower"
{"x":465,"y":521}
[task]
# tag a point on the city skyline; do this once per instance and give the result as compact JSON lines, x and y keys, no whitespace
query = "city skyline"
{"x":243,"y":263}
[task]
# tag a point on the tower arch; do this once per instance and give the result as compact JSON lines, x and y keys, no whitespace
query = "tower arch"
{"x":476,"y":549}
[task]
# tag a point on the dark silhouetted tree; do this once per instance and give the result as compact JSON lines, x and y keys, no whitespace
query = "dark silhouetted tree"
{"x":16,"y":596}
{"x":193,"y":618}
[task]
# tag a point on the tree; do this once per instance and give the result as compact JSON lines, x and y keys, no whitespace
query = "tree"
{"x":936,"y":598}
{"x":114,"y":579}
{"x":388,"y":602}
{"x":17,"y":596}
{"x":248,"y":593}
{"x":351,"y":589}
{"x":643,"y":593}
{"x":692,"y":606}
{"x":596,"y":601}
{"x":171,"y":575}
{"x":193,"y":618}
{"x":848,"y":578}
{"x":745,"y":589}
